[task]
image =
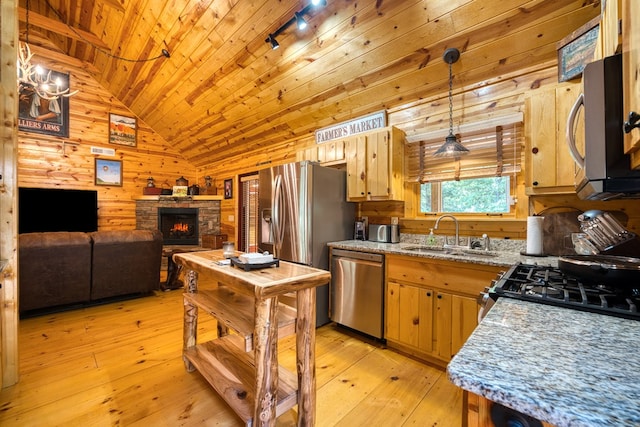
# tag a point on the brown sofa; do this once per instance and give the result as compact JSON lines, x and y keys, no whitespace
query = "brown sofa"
{"x":58,"y":269}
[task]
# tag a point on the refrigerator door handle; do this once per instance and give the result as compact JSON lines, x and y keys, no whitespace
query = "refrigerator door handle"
{"x":276,"y":222}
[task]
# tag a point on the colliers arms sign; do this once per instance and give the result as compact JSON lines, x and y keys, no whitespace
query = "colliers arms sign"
{"x":352,"y":127}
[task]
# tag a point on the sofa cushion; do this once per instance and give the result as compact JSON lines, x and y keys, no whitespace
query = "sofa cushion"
{"x":54,"y":269}
{"x":125,"y":262}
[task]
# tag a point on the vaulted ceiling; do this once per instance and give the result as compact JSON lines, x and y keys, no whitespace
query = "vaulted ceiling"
{"x":224,"y":90}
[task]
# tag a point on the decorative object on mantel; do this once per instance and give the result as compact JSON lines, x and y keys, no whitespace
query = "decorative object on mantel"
{"x":451,"y":146}
{"x":151,"y":189}
{"x":209,"y":188}
{"x":182,"y":181}
{"x":150,"y":182}
{"x":108,"y":172}
{"x":122,"y":130}
{"x":179,"y":191}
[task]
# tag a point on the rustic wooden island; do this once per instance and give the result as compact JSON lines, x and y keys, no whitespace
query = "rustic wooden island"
{"x":242,"y":366}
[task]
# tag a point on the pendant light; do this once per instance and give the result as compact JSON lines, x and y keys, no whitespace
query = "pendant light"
{"x":451,"y":146}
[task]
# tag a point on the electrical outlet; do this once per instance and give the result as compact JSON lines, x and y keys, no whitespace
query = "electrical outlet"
{"x":394,"y":220}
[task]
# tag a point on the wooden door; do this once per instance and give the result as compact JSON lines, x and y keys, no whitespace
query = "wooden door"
{"x":464,"y":320}
{"x":355,"y":153}
{"x":631,"y":72}
{"x":442,"y":327}
{"x":378,"y":164}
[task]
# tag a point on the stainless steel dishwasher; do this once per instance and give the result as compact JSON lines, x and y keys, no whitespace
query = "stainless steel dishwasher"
{"x":357,"y":291}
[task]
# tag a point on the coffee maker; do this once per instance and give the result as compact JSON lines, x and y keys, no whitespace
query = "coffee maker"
{"x":359,"y":232}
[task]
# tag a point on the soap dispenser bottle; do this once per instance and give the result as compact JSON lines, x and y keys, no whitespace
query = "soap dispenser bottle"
{"x":431,"y":239}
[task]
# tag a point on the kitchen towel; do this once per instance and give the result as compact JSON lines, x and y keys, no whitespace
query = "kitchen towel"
{"x":535,"y":235}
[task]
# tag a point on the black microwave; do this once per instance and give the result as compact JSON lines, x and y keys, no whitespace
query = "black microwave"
{"x":604,"y":171}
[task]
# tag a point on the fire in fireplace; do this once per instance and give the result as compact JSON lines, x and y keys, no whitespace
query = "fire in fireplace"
{"x":179,"y":226}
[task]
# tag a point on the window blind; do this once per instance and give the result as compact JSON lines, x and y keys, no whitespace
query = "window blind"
{"x":495,"y":151}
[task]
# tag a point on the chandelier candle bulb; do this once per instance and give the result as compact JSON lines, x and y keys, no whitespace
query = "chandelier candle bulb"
{"x":534,"y":235}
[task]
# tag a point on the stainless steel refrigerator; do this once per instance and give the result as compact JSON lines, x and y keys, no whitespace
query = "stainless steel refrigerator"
{"x":303,"y":207}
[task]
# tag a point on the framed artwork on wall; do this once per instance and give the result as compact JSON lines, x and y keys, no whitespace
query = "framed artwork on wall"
{"x":123,"y":130}
{"x":45,"y":116}
{"x":228,"y":188}
{"x":577,"y":49}
{"x":108,"y":173}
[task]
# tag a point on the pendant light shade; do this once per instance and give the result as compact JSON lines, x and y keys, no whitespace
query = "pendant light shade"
{"x":451,"y":146}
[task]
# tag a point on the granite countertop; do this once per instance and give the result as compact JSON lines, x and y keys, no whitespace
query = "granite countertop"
{"x":505,"y":257}
{"x":566,"y":367}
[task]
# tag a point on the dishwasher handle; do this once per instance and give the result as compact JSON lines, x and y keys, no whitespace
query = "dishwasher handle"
{"x":364,"y":256}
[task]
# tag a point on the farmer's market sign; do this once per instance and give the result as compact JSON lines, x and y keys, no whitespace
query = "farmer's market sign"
{"x":352,"y":127}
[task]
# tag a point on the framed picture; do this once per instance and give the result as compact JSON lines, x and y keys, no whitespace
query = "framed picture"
{"x":577,"y":49}
{"x":44,"y":116}
{"x":123,"y":130}
{"x":228,"y":188}
{"x":109,"y":172}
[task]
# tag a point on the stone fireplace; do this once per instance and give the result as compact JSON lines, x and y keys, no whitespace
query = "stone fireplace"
{"x":179,"y":226}
{"x":182,"y":220}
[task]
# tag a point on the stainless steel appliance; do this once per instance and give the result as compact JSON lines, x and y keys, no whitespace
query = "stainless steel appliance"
{"x":303,"y":207}
{"x":590,"y":291}
{"x":383,"y":233}
{"x":357,"y":291}
{"x":603,"y":171}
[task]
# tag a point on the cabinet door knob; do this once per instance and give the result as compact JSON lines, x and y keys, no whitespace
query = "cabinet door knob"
{"x":534,"y":150}
{"x":439,"y":296}
{"x":632,"y":123}
{"x":534,"y":183}
{"x":428,"y":294}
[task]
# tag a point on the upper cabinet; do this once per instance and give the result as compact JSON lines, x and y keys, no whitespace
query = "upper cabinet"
{"x":550,"y":168}
{"x":631,"y":74}
{"x":375,"y":165}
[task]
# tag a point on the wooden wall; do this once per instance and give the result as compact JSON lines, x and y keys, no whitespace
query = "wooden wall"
{"x":53,"y":162}
{"x":46,"y":162}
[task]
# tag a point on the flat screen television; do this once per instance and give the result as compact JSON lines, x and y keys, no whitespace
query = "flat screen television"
{"x":46,"y":209}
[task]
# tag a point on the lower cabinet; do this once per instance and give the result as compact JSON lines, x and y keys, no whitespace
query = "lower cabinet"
{"x":431,"y":305}
{"x":477,"y":412}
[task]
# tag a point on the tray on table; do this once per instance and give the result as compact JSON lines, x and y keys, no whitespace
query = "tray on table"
{"x":235,"y":261}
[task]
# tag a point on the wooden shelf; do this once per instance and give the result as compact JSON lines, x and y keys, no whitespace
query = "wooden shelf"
{"x":228,"y":369}
{"x":235,"y":310}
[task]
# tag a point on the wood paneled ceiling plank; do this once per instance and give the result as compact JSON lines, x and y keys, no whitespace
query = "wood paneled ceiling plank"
{"x":412,"y":15}
{"x":268,"y":85}
{"x":59,"y":27}
{"x":251,"y":122}
{"x":494,"y":66}
{"x":237,"y":21}
{"x":187,"y":31}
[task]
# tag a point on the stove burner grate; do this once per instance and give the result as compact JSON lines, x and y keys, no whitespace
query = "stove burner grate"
{"x":549,"y":285}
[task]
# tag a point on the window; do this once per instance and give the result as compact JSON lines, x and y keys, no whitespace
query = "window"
{"x":481,"y":181}
{"x":478,"y":195}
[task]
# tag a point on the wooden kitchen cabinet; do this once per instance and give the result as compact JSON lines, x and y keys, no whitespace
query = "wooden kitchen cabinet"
{"x":550,"y":169}
{"x":431,"y":306}
{"x":375,"y":165}
{"x":631,"y":74}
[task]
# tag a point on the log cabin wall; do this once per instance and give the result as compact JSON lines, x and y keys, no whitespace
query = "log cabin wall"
{"x":45,"y":161}
{"x":67,"y":163}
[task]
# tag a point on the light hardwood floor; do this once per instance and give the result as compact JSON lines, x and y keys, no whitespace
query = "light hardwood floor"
{"x":120,"y":364}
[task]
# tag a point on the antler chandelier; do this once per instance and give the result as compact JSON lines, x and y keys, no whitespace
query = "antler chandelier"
{"x":33,"y":78}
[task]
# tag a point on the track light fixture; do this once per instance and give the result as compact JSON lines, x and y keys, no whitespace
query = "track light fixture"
{"x":298,"y":19}
{"x":300,"y":22}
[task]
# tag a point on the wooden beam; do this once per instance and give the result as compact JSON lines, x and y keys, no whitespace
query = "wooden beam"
{"x":61,"y":28}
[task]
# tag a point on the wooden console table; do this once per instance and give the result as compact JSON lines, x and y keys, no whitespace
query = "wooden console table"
{"x":243,"y":367}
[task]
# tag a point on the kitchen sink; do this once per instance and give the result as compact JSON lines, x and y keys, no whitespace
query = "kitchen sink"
{"x":450,"y":251}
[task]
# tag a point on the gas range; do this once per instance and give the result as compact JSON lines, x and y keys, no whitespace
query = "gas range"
{"x":550,"y":285}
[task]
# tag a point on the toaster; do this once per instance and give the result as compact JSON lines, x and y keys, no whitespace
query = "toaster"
{"x":383,"y":233}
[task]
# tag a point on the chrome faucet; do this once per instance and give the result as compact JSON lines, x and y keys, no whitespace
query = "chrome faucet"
{"x":457,"y":241}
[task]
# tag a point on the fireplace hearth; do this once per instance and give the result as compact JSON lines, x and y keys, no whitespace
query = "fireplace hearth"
{"x":179,"y":226}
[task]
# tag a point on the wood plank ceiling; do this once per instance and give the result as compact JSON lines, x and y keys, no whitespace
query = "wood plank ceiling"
{"x":224,"y":91}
